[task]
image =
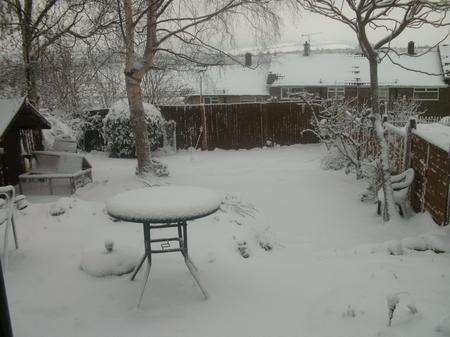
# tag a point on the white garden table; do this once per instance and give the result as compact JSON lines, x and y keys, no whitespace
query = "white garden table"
{"x":164,"y":207}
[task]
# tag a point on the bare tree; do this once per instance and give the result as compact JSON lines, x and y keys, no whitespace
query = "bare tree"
{"x":183,"y":31}
{"x":163,"y":87}
{"x":38,"y":24}
{"x":392,"y":17}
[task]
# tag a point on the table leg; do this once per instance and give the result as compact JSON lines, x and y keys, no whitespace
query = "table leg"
{"x":148,"y":254}
{"x":138,"y":266}
{"x":189,"y":264}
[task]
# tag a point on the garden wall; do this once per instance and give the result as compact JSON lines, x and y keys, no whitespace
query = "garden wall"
{"x":241,"y":126}
{"x":431,"y":163}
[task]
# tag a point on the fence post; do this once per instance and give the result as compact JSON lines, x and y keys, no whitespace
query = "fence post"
{"x":205,"y":127}
{"x":408,"y":141}
{"x":447,"y":211}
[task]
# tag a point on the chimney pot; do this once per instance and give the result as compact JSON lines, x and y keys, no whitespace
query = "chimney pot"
{"x":248,"y":59}
{"x":306,"y":49}
{"x":411,"y":50}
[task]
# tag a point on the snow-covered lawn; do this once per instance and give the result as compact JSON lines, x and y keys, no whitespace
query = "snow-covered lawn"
{"x":328,"y":272}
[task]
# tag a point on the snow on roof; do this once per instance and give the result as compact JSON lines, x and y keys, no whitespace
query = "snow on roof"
{"x":436,"y":134}
{"x":121,"y":109}
{"x":321,"y":68}
{"x":230,"y":80}
{"x":325,"y":69}
{"x":8,"y":109}
{"x":445,"y":59}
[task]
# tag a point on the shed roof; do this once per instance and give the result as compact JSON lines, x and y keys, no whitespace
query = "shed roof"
{"x":19,"y":113}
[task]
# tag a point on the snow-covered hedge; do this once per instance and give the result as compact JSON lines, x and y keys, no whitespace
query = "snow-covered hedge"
{"x":118,"y":132}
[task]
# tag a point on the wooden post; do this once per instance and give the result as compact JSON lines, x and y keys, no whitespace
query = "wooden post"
{"x":412,"y":124}
{"x":204,"y":128}
{"x":447,"y":211}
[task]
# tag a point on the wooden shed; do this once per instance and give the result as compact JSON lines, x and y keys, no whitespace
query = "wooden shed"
{"x":19,"y":123}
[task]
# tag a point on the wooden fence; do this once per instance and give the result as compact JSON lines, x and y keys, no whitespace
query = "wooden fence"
{"x":431,"y":164}
{"x":431,"y":183}
{"x":241,"y":126}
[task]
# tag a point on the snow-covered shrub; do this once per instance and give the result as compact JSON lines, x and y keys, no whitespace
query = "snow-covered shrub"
{"x":401,"y":110}
{"x":59,"y":129}
{"x":333,"y":160}
{"x":88,"y":127}
{"x":346,"y":129}
{"x":118,"y":133}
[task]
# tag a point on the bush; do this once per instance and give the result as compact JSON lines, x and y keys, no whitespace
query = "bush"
{"x":118,"y":133}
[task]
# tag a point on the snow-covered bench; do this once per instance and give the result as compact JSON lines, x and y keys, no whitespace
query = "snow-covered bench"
{"x":59,"y":173}
{"x":400,"y":184}
{"x":7,"y":199}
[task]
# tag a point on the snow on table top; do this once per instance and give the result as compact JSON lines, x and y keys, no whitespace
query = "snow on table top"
{"x":163,"y":204}
{"x":435,"y":133}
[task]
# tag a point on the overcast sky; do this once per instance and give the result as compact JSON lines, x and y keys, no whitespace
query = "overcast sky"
{"x":329,"y":32}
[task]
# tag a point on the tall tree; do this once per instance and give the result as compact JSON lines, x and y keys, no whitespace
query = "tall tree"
{"x":181,"y":31}
{"x":392,"y":18}
{"x":38,"y":24}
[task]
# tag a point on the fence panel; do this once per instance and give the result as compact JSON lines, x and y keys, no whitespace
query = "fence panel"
{"x":242,"y":126}
{"x":430,"y":187}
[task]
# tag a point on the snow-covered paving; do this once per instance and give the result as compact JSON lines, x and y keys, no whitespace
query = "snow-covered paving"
{"x":318,"y":265}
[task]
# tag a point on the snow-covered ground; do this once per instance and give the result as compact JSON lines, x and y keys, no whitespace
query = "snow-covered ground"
{"x":318,"y":265}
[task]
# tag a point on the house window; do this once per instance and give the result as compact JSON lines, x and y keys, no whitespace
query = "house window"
{"x":383,"y":94}
{"x":292,"y":92}
{"x":211,"y":100}
{"x":426,"y":94}
{"x":335,"y":92}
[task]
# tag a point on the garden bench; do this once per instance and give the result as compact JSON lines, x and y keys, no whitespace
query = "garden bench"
{"x":400,"y":184}
{"x":7,"y":200}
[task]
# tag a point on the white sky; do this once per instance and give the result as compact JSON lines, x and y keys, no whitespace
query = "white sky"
{"x":293,"y":25}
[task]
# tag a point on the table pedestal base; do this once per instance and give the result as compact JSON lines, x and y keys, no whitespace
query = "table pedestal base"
{"x":183,"y":249}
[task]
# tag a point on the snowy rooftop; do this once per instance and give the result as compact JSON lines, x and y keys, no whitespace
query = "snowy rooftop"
{"x":321,"y":68}
{"x":340,"y":69}
{"x":8,"y":109}
{"x":230,"y":80}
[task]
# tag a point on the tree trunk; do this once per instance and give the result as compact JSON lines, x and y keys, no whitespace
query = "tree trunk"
{"x":139,"y":125}
{"x":388,"y":194}
{"x":31,"y":91}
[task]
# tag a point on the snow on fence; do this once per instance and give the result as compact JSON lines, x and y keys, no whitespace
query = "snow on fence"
{"x":420,"y":120}
{"x":240,"y":126}
{"x":426,"y":150}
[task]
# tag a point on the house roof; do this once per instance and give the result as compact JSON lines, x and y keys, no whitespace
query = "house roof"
{"x":13,"y":109}
{"x":322,"y":68}
{"x":230,"y":80}
{"x":326,"y":69}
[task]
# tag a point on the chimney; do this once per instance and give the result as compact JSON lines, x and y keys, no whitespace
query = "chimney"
{"x":271,"y":77}
{"x":248,"y":59}
{"x":306,"y":49}
{"x":411,"y":48}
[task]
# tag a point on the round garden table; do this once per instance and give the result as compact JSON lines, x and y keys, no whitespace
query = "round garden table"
{"x":164,"y":207}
